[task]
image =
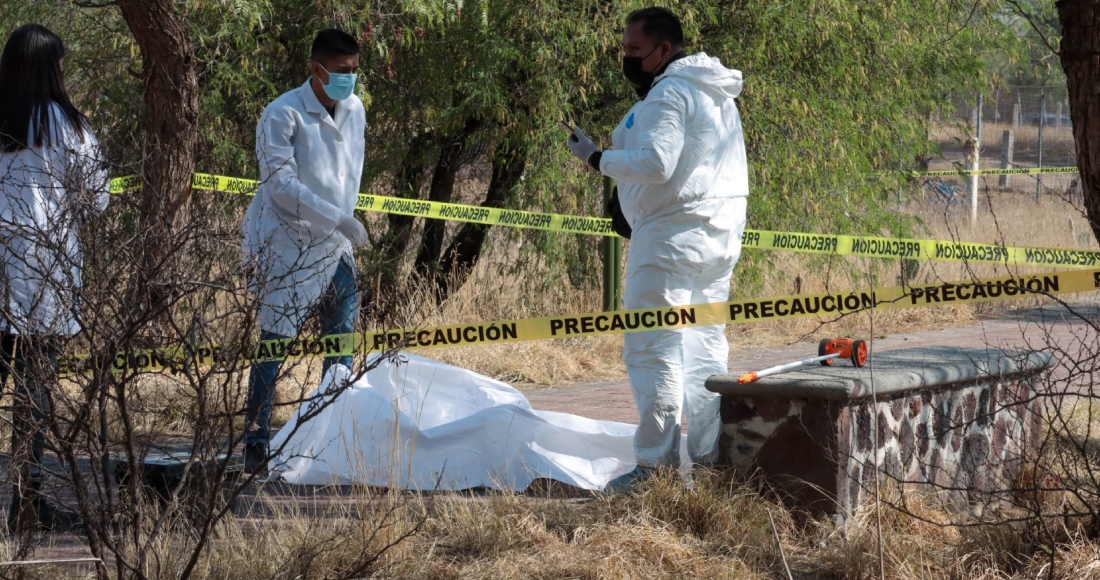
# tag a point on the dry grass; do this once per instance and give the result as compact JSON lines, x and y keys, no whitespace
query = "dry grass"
{"x":664,"y":531}
{"x":1058,"y":144}
{"x":718,"y":529}
{"x":291,"y":543}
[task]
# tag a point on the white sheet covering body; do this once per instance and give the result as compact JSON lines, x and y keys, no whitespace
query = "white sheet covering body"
{"x":425,"y":425}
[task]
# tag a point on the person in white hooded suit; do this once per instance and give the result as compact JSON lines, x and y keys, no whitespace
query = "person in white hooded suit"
{"x":682,"y":186}
{"x":300,"y":229}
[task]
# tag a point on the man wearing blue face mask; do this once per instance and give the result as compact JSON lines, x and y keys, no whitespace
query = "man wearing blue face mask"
{"x":300,"y":228}
{"x":679,"y":158}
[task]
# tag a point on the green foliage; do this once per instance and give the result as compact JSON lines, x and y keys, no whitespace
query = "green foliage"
{"x":837,"y":92}
{"x":1036,"y":34}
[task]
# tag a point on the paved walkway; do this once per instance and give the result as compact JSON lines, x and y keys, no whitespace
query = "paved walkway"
{"x":1065,"y":330}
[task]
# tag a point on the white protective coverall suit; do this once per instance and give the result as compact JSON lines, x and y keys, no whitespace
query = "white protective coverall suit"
{"x":311,"y":165}
{"x":679,"y":158}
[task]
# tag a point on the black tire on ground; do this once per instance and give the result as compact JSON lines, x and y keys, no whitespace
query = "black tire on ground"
{"x":859,"y":353}
{"x":821,"y":352}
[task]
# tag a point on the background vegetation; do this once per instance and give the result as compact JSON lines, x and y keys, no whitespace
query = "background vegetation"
{"x":463,"y":102}
{"x":464,"y":98}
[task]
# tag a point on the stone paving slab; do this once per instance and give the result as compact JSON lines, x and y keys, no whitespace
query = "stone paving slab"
{"x":896,"y":371}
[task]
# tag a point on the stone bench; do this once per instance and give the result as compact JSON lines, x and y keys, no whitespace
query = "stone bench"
{"x":955,"y":420}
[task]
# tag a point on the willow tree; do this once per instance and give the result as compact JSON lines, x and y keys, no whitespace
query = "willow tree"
{"x":464,"y":98}
{"x":836,"y":93}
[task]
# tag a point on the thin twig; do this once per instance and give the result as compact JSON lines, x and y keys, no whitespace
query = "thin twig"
{"x":1035,"y":27}
{"x":53,"y":561}
{"x":782,"y":554}
{"x":878,"y":486}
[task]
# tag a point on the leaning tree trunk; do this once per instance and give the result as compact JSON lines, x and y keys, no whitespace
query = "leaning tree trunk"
{"x":442,"y":189}
{"x":383,"y":288}
{"x":463,"y":254}
{"x":170,"y":135}
{"x":1080,"y":54}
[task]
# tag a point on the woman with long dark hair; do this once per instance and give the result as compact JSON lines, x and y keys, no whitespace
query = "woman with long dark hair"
{"x":52,"y":179}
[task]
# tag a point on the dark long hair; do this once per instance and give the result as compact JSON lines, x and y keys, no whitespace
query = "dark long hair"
{"x":30,"y":82}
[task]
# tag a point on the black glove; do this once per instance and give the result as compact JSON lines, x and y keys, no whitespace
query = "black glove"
{"x":615,"y":212}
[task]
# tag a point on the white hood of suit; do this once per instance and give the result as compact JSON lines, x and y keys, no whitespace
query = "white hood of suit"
{"x":681,"y":144}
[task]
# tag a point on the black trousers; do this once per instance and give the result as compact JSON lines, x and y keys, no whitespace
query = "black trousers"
{"x":31,"y":362}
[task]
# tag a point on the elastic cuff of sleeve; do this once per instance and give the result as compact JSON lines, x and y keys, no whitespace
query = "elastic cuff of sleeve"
{"x":594,"y":160}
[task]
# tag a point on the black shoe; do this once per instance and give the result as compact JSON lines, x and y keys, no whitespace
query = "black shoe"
{"x":255,"y":458}
{"x":629,"y":481}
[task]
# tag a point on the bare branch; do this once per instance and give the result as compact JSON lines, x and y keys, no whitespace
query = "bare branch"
{"x":1020,"y":11}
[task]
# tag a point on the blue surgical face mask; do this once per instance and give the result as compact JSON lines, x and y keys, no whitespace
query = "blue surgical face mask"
{"x":340,"y":85}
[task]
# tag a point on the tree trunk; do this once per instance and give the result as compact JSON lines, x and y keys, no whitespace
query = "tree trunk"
{"x":386,"y":266}
{"x":171,"y":137}
{"x":465,"y":249}
{"x":1080,"y":55}
{"x":442,"y":190}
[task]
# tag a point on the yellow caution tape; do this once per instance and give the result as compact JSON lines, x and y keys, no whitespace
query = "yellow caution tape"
{"x":487,"y":215}
{"x":828,"y":305}
{"x":413,"y":207}
{"x":922,"y":250}
{"x":221,"y":183}
{"x":840,"y":245}
{"x":201,"y":181}
{"x":124,"y":184}
{"x":1013,"y":171}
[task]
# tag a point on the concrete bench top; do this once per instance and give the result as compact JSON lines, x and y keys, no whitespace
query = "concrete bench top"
{"x":895,"y":371}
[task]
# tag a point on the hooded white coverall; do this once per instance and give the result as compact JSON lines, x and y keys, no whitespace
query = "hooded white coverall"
{"x":679,"y":158}
{"x":310,"y":168}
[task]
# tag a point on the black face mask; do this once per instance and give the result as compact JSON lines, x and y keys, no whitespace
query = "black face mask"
{"x":633,"y":71}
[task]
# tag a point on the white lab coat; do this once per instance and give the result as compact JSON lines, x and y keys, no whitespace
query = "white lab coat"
{"x":45,"y":195}
{"x":679,"y":158}
{"x":310,"y":169}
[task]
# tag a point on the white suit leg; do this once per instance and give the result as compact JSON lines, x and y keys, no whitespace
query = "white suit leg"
{"x":706,"y":353}
{"x":706,"y":350}
{"x":654,"y":359}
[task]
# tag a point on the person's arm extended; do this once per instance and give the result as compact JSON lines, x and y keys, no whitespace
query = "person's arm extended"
{"x":279,"y":171}
{"x":662,"y":129}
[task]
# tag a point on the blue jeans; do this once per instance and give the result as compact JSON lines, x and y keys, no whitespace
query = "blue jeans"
{"x":337,"y":310}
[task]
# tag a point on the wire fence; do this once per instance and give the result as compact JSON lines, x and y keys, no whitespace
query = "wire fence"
{"x":1019,"y":127}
